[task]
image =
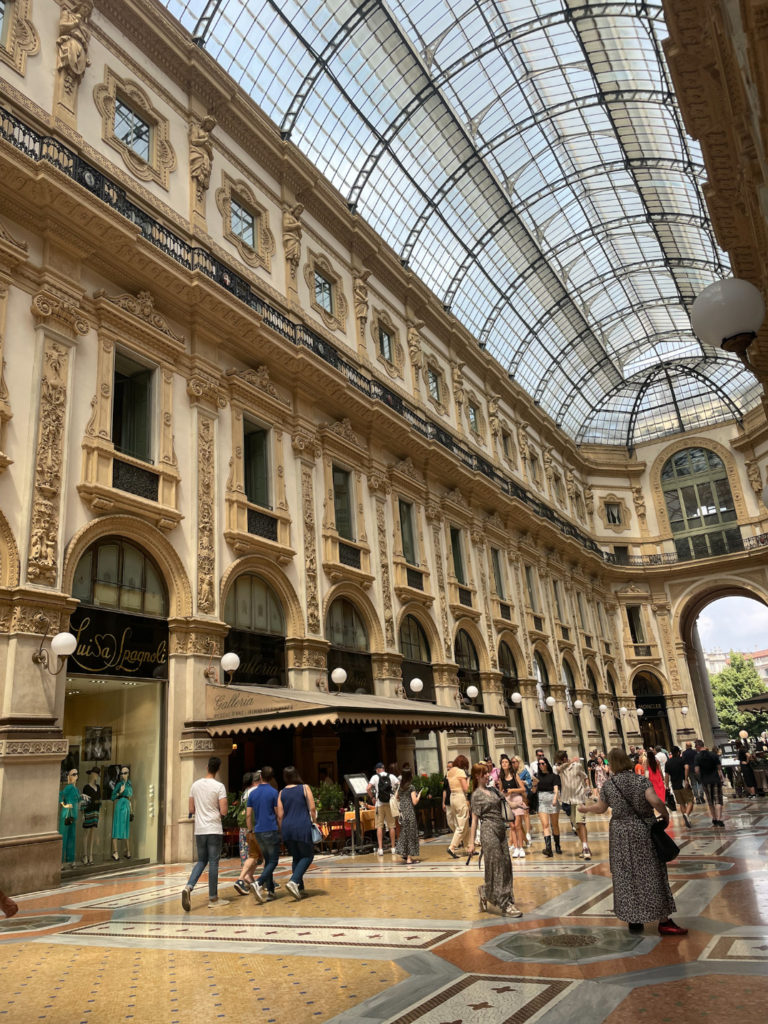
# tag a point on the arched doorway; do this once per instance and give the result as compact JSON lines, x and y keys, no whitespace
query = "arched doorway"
{"x":114,"y":707}
{"x":349,"y":650}
{"x":257,"y":631}
{"x":543,"y":691}
{"x":650,"y":699}
{"x":509,"y":677}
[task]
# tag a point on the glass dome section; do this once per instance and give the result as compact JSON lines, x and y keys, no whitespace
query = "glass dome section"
{"x":527,"y":160}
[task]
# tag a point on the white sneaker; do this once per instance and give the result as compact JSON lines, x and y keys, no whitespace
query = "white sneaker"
{"x":522,"y":852}
{"x":380,"y":852}
{"x":293,"y":889}
{"x":527,"y":837}
{"x":515,"y":852}
{"x":212,"y":904}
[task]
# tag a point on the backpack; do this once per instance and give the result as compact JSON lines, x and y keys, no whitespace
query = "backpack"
{"x":241,"y":823}
{"x":385,"y":788}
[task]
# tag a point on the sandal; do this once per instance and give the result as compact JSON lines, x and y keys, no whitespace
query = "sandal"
{"x":115,"y":856}
{"x":483,"y":900}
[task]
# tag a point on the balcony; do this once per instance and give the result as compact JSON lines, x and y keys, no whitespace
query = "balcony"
{"x":114,"y":482}
{"x":635,"y":653}
{"x":730,"y":542}
{"x":462,"y":600}
{"x":253,"y":529}
{"x":412,"y":583}
{"x":536,"y":624}
{"x":345,"y":559}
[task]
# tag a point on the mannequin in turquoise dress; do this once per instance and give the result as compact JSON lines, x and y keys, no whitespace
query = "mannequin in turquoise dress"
{"x":69,"y":801}
{"x":121,"y":817}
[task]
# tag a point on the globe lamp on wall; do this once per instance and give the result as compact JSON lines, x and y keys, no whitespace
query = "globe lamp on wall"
{"x":338,"y":677}
{"x":62,"y":645}
{"x":517,"y":698}
{"x":727,"y":315}
{"x":472,"y":692}
{"x":415,"y":686}
{"x":550,"y":702}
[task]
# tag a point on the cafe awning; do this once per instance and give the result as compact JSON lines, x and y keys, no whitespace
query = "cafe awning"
{"x":757,"y":704}
{"x":240,"y":709}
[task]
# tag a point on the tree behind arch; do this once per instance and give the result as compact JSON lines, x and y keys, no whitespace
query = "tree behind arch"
{"x":739,"y":680}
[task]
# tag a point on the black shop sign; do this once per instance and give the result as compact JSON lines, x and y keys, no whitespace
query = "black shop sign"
{"x":112,"y":644}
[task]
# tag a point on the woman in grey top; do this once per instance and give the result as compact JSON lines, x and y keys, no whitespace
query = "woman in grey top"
{"x":487,"y":805}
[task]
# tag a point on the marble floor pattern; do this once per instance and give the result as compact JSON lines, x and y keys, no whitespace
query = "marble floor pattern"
{"x":376,"y":942}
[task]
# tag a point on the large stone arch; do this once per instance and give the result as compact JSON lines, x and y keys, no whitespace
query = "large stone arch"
{"x":9,"y":555}
{"x":470,"y":628}
{"x":144,"y":536}
{"x":695,"y":441}
{"x":651,"y":670}
{"x":699,"y":594}
{"x":260,"y":565}
{"x":426,"y":622}
{"x":365,"y":606}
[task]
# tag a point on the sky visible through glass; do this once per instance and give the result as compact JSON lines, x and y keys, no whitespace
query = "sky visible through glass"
{"x":527,"y":160}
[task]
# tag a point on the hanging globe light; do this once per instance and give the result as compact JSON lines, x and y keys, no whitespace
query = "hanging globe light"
{"x":728,"y":314}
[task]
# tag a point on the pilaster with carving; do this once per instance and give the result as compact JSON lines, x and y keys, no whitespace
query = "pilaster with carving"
{"x":306,"y":447}
{"x":384,"y":574}
{"x":71,"y":57}
{"x":481,"y":548}
{"x":206,"y":515}
{"x":435,"y":518}
{"x":12,"y":252}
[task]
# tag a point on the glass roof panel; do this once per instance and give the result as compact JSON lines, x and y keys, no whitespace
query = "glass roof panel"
{"x":525,"y":158}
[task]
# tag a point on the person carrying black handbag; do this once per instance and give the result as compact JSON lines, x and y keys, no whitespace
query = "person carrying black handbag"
{"x":641,"y":891}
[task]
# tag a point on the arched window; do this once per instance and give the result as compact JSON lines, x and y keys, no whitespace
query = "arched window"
{"x":115,"y":574}
{"x":465,"y":653}
{"x":570,"y":685}
{"x":646,"y":684}
{"x":542,"y":692}
{"x":417,"y":659}
{"x":257,"y":632}
{"x":349,"y":648}
{"x":344,"y":627}
{"x":252,"y":605}
{"x":699,"y":504}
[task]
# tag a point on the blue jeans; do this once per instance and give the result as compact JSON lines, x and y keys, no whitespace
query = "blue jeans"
{"x":270,"y":847}
{"x":208,"y":852}
{"x":303,"y":854}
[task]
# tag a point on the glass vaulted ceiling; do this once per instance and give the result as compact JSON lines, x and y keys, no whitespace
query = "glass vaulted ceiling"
{"x":526,"y":158}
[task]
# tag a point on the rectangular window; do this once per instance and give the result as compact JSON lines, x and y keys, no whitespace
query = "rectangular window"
{"x":132,"y":408}
{"x":472,"y":414}
{"x":535,"y":469}
{"x":132,"y":130}
{"x":558,"y":601}
{"x":533,"y":593}
{"x":342,"y":502}
{"x":601,"y":618}
{"x":506,"y":444}
{"x":613,"y":513}
{"x":458,"y":556}
{"x":323,"y":292}
{"x":242,"y":223}
{"x":385,"y":344}
{"x":582,"y":614}
{"x":256,"y":463}
{"x":406,"y":531}
{"x":498,"y":575}
{"x":433,"y":383}
{"x":635,"y":620}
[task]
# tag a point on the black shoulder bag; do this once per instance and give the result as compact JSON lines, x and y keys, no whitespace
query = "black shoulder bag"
{"x":666,"y":847}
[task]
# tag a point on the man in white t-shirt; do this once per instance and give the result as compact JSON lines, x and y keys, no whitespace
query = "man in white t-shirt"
{"x":382,"y":786}
{"x":208,"y":805}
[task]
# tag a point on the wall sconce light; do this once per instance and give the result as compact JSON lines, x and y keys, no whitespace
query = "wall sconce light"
{"x":683,"y":711}
{"x":578,"y":705}
{"x":623,"y":712}
{"x":640,"y":712}
{"x":338,"y":678}
{"x":603,"y":708}
{"x":550,"y":702}
{"x":62,"y":645}
{"x":517,"y":698}
{"x":230,"y":663}
{"x":472,"y":692}
{"x":416,"y":686}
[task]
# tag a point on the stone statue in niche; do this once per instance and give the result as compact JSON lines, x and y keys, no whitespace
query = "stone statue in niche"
{"x":292,"y":236}
{"x":201,"y":154}
{"x":360,"y":296}
{"x":72,"y":42}
{"x":753,"y":475}
{"x":637,"y":498}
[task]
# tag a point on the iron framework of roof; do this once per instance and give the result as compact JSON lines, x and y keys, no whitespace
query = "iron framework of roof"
{"x":527,"y":160}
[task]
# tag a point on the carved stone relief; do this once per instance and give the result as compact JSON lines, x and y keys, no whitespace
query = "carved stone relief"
{"x":386,"y":588}
{"x":71,"y":55}
{"x":433,"y":515}
{"x":201,"y":157}
{"x":206,"y":550}
{"x":292,"y":237}
{"x":310,"y":550}
{"x":20,"y":39}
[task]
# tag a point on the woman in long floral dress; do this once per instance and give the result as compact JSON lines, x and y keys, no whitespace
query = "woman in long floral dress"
{"x":487,"y":808}
{"x":641,"y":890}
{"x":407,"y":797}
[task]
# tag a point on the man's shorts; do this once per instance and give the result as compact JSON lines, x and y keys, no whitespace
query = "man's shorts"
{"x":254,"y":850}
{"x":683,"y":796}
{"x":384,"y":816}
{"x":576,"y":817}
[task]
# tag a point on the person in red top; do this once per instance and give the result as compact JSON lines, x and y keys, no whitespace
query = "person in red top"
{"x":655,"y":776}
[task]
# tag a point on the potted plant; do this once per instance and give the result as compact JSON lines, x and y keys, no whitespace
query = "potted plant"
{"x":329,"y":799}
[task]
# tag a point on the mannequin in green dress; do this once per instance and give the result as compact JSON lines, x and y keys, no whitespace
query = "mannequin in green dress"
{"x":121,"y":817}
{"x":69,"y":801}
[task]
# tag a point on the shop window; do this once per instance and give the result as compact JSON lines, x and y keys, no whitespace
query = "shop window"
{"x":457,"y":553}
{"x":256,"y":463}
{"x":531,"y":584}
{"x":132,"y":407}
{"x":342,"y":503}
{"x":407,"y":532}
{"x":414,"y":645}
{"x":344,"y":627}
{"x":132,"y":130}
{"x":498,"y":574}
{"x":116,"y":574}
{"x":465,"y":653}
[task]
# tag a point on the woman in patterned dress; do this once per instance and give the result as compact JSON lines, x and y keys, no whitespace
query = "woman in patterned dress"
{"x":407,"y":798}
{"x":487,"y":808}
{"x":641,"y":890}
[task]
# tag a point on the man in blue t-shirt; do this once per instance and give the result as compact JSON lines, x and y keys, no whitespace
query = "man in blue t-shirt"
{"x":260,"y":816}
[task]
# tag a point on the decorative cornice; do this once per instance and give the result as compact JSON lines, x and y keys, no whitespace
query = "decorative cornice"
{"x":50,"y":307}
{"x":142,"y":306}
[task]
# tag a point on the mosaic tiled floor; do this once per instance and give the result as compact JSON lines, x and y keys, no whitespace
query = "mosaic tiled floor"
{"x":375,"y":942}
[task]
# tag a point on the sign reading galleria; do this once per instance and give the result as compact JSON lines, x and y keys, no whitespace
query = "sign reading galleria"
{"x":112,"y":644}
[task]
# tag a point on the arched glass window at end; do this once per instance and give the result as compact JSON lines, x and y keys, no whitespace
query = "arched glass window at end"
{"x":252,"y":605}
{"x":700,"y":505}
{"x":344,"y":627}
{"x":116,"y":574}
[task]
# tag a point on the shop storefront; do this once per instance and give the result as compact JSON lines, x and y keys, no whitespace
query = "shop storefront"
{"x":115,"y":707}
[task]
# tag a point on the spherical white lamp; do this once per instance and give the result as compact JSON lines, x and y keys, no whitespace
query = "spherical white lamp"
{"x":684,"y":711}
{"x":339,"y":676}
{"x":578,"y":704}
{"x":640,"y":712}
{"x":230,"y":662}
{"x":472,"y":692}
{"x":517,"y":698}
{"x":416,"y":686}
{"x":550,"y":702}
{"x":743,"y":734}
{"x":622,"y":711}
{"x":63,"y":644}
{"x":728,"y":314}
{"x":603,"y":708}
